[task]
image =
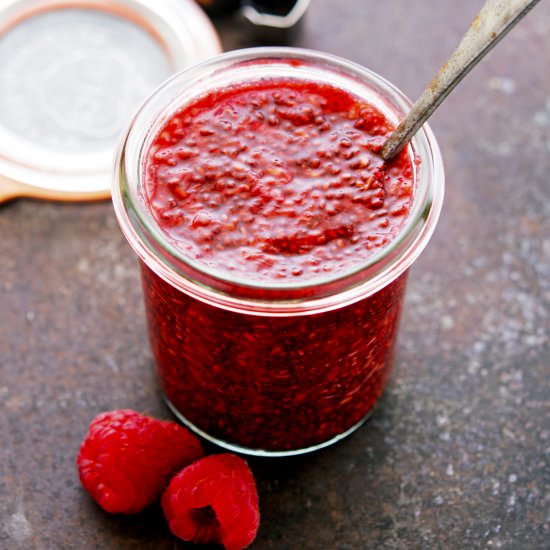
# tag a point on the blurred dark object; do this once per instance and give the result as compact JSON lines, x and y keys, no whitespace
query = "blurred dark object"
{"x":219,"y":7}
{"x":267,"y":21}
{"x":273,"y":21}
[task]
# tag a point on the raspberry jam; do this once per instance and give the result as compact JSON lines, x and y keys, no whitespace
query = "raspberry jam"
{"x":273,"y":383}
{"x":275,"y":243}
{"x":276,"y":180}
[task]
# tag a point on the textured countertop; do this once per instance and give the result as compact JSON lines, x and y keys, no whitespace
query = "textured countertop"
{"x":458,"y":452}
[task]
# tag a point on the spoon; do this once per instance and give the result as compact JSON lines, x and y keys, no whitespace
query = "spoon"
{"x":493,"y":21}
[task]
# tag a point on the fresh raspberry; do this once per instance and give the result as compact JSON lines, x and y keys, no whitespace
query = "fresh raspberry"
{"x":214,"y":500}
{"x":127,"y":459}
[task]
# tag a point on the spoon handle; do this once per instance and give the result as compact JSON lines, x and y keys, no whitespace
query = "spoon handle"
{"x":494,"y":20}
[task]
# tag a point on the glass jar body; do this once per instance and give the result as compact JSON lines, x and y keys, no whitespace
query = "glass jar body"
{"x":270,"y":383}
{"x":283,"y":368}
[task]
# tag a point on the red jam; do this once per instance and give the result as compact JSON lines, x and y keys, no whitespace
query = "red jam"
{"x":273,"y":383}
{"x":277,"y":180}
{"x":270,"y":182}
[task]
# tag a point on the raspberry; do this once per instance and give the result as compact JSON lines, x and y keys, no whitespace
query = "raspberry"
{"x":126,"y":459}
{"x":214,"y":501}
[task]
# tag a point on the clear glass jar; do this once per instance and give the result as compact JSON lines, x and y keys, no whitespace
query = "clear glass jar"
{"x":283,"y":368}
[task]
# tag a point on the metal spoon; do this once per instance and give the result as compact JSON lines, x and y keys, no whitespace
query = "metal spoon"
{"x":494,"y":20}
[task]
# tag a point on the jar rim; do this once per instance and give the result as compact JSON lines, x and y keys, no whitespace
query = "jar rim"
{"x":313,"y":295}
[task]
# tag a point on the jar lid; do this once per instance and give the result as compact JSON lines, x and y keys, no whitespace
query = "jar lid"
{"x":72,"y":72}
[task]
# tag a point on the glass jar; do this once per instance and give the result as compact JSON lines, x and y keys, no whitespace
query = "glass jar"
{"x":280,"y":368}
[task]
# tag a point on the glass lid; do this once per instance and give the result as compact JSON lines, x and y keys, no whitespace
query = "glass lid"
{"x":72,"y":73}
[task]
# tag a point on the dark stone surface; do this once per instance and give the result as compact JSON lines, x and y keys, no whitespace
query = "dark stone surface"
{"x":457,"y":454}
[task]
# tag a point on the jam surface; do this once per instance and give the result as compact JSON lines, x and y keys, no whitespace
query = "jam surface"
{"x":277,"y":180}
